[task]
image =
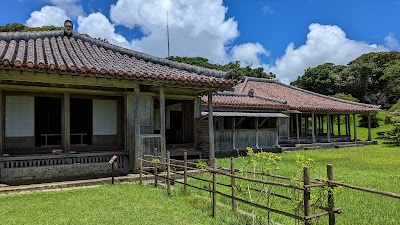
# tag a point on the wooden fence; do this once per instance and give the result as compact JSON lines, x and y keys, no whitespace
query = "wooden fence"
{"x":306,"y":187}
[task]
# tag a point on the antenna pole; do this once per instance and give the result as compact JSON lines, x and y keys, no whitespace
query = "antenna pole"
{"x":167,"y":33}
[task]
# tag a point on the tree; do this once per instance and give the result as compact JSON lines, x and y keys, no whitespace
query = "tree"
{"x":347,"y":97}
{"x":234,"y":68}
{"x":323,"y":79}
{"x":13,"y":27}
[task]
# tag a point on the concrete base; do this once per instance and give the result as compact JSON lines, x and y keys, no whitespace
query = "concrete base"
{"x":57,"y":172}
{"x":243,"y":152}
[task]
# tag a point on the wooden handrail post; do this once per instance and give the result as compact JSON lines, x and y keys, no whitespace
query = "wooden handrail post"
{"x":233,"y":184}
{"x":306,"y":198}
{"x":155,"y":174}
{"x":214,"y":194}
{"x":185,"y":171}
{"x":141,"y":167}
{"x":168,"y":173}
{"x":331,"y":200}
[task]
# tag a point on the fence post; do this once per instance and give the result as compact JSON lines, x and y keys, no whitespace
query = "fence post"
{"x":306,"y":198}
{"x":141,"y":168}
{"x":233,"y":184}
{"x":185,"y":171}
{"x":155,"y":174}
{"x":214,"y":194}
{"x":168,"y":173}
{"x":331,"y":200}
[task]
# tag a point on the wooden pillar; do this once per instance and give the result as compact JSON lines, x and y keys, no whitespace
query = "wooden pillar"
{"x":130,"y":114}
{"x":301,"y":124}
{"x":328,"y":128}
{"x":291,"y":126}
{"x":288,"y":126}
{"x":136,"y":129}
{"x":322,"y":123}
{"x":312,"y":126}
{"x":306,"y":125}
{"x":297,"y":128}
{"x":234,"y":133}
{"x":332,"y":125}
{"x":349,"y":125}
{"x":369,"y":127}
{"x":346,"y":124}
{"x":355,"y":127}
{"x":338,"y":124}
{"x":256,"y":122}
{"x":319,"y":124}
{"x":162,"y":122}
{"x":210,"y":127}
{"x":1,"y":123}
{"x":66,"y":125}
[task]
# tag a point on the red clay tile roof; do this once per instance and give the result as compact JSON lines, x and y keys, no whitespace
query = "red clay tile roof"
{"x":299,"y":99}
{"x":52,"y":51}
{"x":239,"y":100}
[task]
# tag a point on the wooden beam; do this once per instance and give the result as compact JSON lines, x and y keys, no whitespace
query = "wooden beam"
{"x":39,"y":78}
{"x":338,"y":123}
{"x":210,"y":127}
{"x":162,"y":122}
{"x":130,"y":138}
{"x":297,"y":128}
{"x":1,"y":123}
{"x":312,"y":126}
{"x":355,"y":127}
{"x":369,"y":127}
{"x":66,"y":123}
{"x":328,"y":128}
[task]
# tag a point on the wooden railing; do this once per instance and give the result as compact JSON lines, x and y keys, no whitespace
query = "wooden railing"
{"x":46,"y":137}
{"x":242,"y":138}
{"x":150,"y":142}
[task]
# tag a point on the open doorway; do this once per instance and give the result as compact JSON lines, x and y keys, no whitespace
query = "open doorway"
{"x":81,"y":117}
{"x":179,"y":121}
{"x":47,"y":121}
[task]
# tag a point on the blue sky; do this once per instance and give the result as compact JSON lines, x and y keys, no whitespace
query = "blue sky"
{"x":284,"y":37}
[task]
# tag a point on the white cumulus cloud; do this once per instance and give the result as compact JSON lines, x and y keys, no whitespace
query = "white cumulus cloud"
{"x":325,"y":43}
{"x":97,"y":25}
{"x":196,"y":27}
{"x":248,"y":54}
{"x":392,"y":43}
{"x":71,"y":7}
{"x":48,"y":15}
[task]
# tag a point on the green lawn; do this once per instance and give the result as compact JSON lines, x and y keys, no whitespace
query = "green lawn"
{"x":110,"y":204}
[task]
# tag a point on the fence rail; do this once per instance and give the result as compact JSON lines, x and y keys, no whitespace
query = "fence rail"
{"x":306,"y":188}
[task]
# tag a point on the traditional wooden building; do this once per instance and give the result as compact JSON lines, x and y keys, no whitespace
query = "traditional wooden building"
{"x":69,"y":102}
{"x":267,"y":114}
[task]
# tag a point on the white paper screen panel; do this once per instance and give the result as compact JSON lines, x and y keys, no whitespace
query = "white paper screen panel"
{"x":20,"y":116}
{"x":104,"y":117}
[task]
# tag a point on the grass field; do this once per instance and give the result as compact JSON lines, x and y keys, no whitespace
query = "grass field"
{"x":376,"y":166}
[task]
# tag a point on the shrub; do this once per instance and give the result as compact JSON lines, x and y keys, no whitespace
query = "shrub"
{"x":394,"y":134}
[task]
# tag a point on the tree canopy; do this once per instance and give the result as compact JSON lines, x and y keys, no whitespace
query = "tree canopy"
{"x":371,"y":78}
{"x":13,"y":27}
{"x":234,"y":68}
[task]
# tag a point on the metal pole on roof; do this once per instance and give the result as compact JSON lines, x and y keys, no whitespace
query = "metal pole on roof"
{"x":167,"y":33}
